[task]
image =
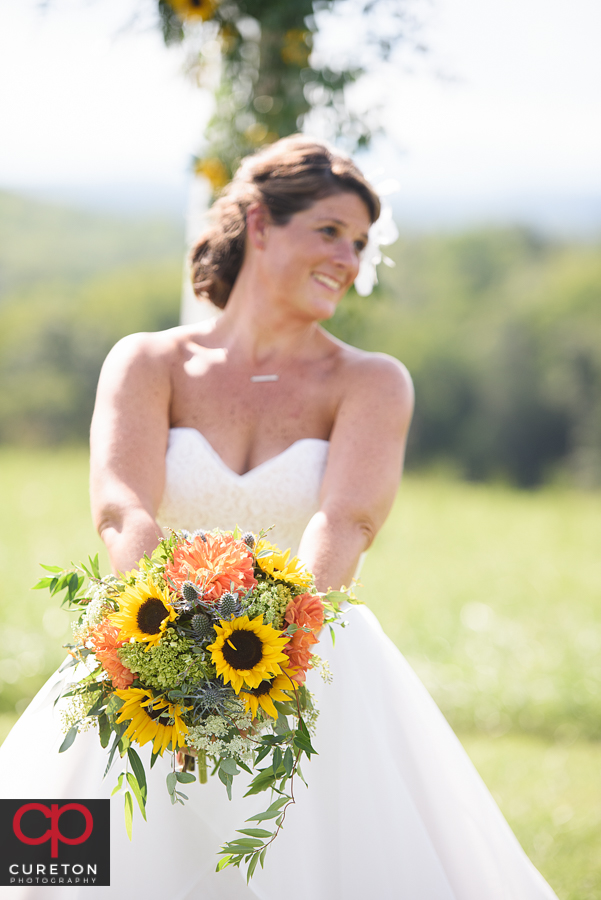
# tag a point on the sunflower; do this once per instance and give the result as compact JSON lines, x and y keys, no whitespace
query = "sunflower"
{"x":214,"y":170}
{"x":267,"y":691}
{"x":152,"y":719}
{"x":194,"y":9}
{"x":279,"y":565}
{"x":144,"y":611}
{"x":247,"y":652}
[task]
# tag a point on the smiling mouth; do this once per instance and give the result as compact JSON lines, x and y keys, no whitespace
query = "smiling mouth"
{"x":328,"y":282}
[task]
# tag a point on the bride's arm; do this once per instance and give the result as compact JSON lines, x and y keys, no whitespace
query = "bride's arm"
{"x":364,"y":467}
{"x":128,"y":441}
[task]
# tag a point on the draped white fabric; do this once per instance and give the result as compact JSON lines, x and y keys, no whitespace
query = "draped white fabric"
{"x":394,"y":808}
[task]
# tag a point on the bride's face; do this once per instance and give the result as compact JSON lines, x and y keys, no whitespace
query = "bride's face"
{"x":313,"y":260}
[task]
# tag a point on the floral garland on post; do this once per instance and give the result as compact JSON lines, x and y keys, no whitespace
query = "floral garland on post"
{"x":269,"y":80}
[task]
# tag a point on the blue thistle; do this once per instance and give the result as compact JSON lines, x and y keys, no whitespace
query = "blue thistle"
{"x":249,"y":539}
{"x":202,"y":627}
{"x":211,"y":698}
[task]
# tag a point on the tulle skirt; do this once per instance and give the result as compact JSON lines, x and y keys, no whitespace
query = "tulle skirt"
{"x":394,"y":807}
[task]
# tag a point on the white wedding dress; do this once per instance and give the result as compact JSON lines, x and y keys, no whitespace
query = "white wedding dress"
{"x":394,"y":810}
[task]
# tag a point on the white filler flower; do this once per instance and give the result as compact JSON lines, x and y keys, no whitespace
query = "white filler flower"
{"x":382,"y":233}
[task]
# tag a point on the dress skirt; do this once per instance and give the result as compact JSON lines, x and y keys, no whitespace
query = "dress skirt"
{"x":394,"y":810}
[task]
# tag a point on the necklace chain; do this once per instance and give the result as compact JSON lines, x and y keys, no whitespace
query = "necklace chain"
{"x":262,"y":379}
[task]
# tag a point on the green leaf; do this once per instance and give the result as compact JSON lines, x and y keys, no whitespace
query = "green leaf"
{"x":141,"y":798}
{"x":303,"y":742}
{"x":300,"y":774}
{"x":282,"y":726}
{"x":94,"y":566}
{"x":129,"y":814}
{"x":171,"y":782}
{"x":56,"y":569}
{"x":229,"y":765}
{"x":137,"y":766}
{"x":105,"y":730}
{"x":252,"y":866}
{"x":255,"y":832}
{"x":262,"y":856}
{"x":270,"y":813}
{"x":227,"y":780}
{"x":42,"y":583}
{"x":185,"y":777}
{"x":277,"y":759}
{"x":261,"y":782}
{"x":263,"y":752}
{"x":333,"y":635}
{"x":119,"y":784}
{"x":247,"y":843}
{"x":114,"y":704}
{"x":69,"y":738}
{"x":111,"y":754}
{"x":223,"y":863}
{"x":288,"y":762}
{"x":98,"y":706}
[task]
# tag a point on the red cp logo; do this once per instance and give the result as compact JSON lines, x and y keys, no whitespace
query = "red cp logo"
{"x":54,"y":812}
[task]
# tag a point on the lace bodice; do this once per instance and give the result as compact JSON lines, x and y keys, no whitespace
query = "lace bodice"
{"x":202,"y":492}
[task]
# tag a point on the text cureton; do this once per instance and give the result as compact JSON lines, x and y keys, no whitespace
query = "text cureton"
{"x":53,"y":869}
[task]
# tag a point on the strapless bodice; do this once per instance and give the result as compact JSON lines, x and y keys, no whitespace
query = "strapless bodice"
{"x":202,"y":492}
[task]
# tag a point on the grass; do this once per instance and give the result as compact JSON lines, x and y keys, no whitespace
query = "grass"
{"x":44,"y":518}
{"x":492,"y":594}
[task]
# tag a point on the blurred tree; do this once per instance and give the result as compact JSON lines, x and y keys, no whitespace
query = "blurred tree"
{"x":257,"y":57}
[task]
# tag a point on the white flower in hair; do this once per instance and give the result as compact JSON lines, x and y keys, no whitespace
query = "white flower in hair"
{"x":382,"y":233}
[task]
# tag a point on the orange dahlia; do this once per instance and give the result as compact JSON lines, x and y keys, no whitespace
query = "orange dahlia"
{"x":217,"y":563}
{"x":306,"y":611}
{"x":105,"y":640}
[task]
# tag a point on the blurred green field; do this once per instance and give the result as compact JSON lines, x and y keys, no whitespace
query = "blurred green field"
{"x":495,"y":602}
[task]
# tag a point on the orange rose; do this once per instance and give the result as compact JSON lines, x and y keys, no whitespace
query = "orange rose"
{"x":105,"y":640}
{"x":306,"y":611}
{"x":214,"y":564}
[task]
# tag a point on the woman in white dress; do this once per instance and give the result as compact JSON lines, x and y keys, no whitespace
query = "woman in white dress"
{"x":254,"y":418}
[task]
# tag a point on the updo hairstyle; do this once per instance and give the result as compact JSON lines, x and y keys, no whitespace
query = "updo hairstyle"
{"x":285,"y":177}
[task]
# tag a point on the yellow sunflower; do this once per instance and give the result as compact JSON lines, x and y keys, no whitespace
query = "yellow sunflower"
{"x":279,"y":565}
{"x":144,"y":611}
{"x":152,"y":719}
{"x":268,"y":690}
{"x":194,"y":9}
{"x":246,"y":651}
{"x":213,"y":169}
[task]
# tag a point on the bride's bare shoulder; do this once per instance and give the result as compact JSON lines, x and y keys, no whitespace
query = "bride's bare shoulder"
{"x":162,"y":349}
{"x":373,"y":377}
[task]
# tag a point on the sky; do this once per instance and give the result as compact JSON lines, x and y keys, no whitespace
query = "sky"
{"x":501,"y":115}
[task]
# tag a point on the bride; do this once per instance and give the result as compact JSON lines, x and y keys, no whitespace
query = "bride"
{"x":253,"y":418}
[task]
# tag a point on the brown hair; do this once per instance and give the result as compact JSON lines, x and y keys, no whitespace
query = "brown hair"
{"x":286,"y":177}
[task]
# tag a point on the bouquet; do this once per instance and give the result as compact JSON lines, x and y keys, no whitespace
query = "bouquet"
{"x":202,"y":651}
